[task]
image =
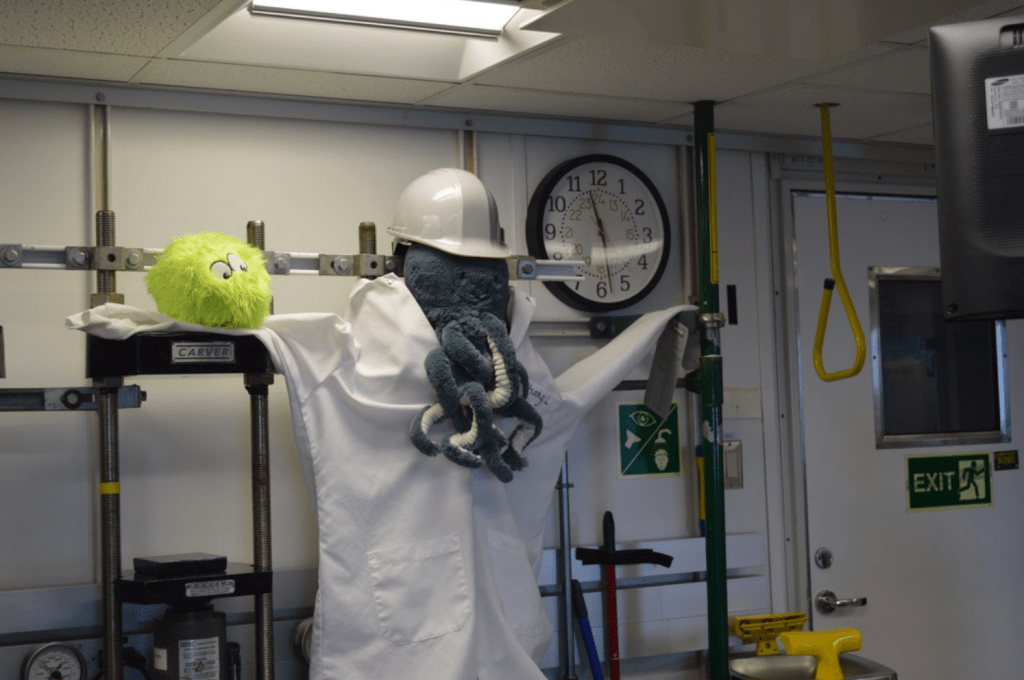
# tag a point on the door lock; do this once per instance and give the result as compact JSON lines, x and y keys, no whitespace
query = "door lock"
{"x":826,"y":602}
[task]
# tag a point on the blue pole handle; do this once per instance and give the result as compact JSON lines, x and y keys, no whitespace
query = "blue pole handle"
{"x":580,"y":608}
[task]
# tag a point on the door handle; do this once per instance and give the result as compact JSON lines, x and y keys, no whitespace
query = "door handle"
{"x":826,"y":602}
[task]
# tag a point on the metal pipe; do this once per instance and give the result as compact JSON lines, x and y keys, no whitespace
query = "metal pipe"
{"x":711,"y":392}
{"x":256,"y":384}
{"x":110,"y":530}
{"x":566,"y":636}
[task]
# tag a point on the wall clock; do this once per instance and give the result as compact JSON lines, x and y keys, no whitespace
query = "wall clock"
{"x":606,"y":212}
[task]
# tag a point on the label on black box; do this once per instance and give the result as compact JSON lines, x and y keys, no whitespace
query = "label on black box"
{"x":203,"y":353}
{"x":210,"y":588}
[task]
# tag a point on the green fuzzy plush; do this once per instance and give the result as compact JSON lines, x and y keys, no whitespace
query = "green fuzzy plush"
{"x":211,"y":279}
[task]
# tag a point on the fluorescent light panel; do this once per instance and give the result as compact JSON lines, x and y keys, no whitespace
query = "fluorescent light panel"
{"x":463,"y":17}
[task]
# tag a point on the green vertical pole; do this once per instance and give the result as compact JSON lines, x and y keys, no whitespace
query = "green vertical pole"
{"x":711,"y":391}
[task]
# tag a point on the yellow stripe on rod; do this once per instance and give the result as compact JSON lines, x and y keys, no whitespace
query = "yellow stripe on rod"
{"x":110,"y":488}
{"x":712,"y":208}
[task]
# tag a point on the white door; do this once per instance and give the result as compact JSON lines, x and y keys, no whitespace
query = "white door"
{"x":944,"y":588}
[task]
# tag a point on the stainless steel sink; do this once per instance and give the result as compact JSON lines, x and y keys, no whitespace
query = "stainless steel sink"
{"x":782,"y":667}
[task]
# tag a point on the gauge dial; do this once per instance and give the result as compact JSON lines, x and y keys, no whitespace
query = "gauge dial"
{"x":54,"y":661}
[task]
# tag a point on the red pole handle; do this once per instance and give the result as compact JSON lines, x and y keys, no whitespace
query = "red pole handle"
{"x":613,"y":621}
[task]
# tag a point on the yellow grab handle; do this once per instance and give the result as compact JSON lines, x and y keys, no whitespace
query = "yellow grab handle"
{"x":825,"y":646}
{"x":837,"y":273}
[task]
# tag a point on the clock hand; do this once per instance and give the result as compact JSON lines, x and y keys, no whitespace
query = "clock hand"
{"x":600,"y":232}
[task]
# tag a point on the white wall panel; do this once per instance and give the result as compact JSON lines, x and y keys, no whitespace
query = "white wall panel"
{"x":46,"y":499}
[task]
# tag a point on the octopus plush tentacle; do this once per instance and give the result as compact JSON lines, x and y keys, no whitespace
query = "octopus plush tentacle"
{"x":474,"y":372}
{"x":528,"y":429}
{"x":480,"y":444}
{"x":442,"y":379}
{"x":455,"y":343}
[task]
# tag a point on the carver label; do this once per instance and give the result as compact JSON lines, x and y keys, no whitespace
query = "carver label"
{"x":203,"y":353}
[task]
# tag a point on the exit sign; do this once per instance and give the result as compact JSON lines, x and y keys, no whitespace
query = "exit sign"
{"x":956,"y":480}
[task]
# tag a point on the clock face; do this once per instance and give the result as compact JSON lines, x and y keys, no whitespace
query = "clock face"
{"x":606,"y":212}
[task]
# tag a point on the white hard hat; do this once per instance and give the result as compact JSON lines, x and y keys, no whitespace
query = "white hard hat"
{"x":453,"y":211}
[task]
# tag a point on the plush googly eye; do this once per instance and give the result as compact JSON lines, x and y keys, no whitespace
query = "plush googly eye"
{"x":237,"y":263}
{"x":221,"y":270}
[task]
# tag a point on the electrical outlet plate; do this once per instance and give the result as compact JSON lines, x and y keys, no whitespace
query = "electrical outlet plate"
{"x":732,"y":459}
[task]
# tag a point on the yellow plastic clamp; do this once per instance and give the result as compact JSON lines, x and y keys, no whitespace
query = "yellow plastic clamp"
{"x":763,"y":629}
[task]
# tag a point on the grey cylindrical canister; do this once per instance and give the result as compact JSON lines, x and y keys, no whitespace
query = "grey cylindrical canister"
{"x":190,"y":644}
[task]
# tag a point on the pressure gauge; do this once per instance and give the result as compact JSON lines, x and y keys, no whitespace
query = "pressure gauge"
{"x":606,"y":212}
{"x":54,"y":661}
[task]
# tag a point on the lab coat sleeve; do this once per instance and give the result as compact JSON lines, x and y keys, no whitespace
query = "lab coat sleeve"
{"x":582,"y":386}
{"x":590,"y":380}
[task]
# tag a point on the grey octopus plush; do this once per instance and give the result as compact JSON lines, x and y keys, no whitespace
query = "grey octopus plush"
{"x":474,"y":372}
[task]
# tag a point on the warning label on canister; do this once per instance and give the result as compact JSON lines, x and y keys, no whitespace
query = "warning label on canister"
{"x":199,"y":659}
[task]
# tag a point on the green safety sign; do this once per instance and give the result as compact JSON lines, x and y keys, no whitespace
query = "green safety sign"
{"x":648,"y":445}
{"x":955,"y":480}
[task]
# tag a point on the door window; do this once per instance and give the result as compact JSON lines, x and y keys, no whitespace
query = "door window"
{"x":936,"y":382}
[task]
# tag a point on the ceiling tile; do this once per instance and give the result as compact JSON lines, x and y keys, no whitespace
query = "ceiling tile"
{"x":136,"y":27}
{"x":488,"y":98}
{"x":660,"y":72}
{"x":901,"y":70}
{"x":791,"y":110}
{"x":68,"y":64}
{"x":922,"y":134}
{"x":982,"y":10}
{"x":802,"y":29}
{"x":240,"y":78}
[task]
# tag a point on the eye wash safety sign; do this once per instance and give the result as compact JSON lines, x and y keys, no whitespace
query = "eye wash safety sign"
{"x":648,"y":445}
{"x":956,"y":480}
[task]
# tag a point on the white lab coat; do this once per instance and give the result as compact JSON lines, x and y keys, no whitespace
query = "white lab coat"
{"x":427,"y":569}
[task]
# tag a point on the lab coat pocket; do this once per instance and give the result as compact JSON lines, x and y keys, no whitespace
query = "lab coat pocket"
{"x":420,"y":590}
{"x":517,"y":584}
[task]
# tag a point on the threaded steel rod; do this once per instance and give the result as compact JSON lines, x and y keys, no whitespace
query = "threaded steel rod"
{"x":256,"y":234}
{"x":367,"y":238}
{"x":106,"y":235}
{"x":260,"y":437}
{"x":110,"y":509}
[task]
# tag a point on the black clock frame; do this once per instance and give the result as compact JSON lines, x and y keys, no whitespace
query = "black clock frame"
{"x":535,"y":232}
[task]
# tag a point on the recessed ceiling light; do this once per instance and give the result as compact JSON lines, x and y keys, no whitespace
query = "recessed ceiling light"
{"x":463,"y":17}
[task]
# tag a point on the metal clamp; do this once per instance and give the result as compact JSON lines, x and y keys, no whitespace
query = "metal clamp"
{"x":10,"y":255}
{"x":716,"y":320}
{"x":530,"y":268}
{"x":363,"y":264}
{"x":826,"y":602}
{"x":65,"y":398}
{"x":108,"y":258}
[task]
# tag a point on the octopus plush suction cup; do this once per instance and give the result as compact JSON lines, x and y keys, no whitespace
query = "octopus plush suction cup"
{"x":211,"y":279}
